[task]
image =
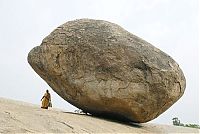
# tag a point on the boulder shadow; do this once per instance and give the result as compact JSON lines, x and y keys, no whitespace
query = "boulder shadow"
{"x":118,"y":119}
{"x":111,"y":118}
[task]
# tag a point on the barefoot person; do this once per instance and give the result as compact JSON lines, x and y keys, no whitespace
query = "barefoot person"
{"x":46,"y":100}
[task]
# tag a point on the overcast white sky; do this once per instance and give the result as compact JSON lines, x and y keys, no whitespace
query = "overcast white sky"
{"x":171,"y":25}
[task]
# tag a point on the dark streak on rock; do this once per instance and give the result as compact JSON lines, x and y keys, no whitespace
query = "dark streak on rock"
{"x":66,"y":124}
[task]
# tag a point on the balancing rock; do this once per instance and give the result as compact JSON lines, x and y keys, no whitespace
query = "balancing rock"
{"x":104,"y":70}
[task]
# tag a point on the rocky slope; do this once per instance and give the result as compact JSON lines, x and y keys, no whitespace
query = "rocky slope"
{"x":20,"y":117}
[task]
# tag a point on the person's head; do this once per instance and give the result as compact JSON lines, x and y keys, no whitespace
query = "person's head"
{"x":47,"y":91}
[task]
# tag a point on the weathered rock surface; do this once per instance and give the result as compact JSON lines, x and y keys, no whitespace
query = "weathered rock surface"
{"x":103,"y":69}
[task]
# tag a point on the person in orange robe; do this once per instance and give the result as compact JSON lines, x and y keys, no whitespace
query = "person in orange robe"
{"x":46,"y":100}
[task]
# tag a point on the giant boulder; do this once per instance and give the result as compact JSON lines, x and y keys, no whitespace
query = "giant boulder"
{"x":103,"y":69}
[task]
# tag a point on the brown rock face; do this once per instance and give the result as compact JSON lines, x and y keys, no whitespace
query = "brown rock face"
{"x":103,"y":69}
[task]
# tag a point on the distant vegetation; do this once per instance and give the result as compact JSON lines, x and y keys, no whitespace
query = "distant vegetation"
{"x":177,"y":122}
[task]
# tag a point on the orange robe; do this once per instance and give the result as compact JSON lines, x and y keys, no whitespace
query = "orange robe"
{"x":46,"y":100}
